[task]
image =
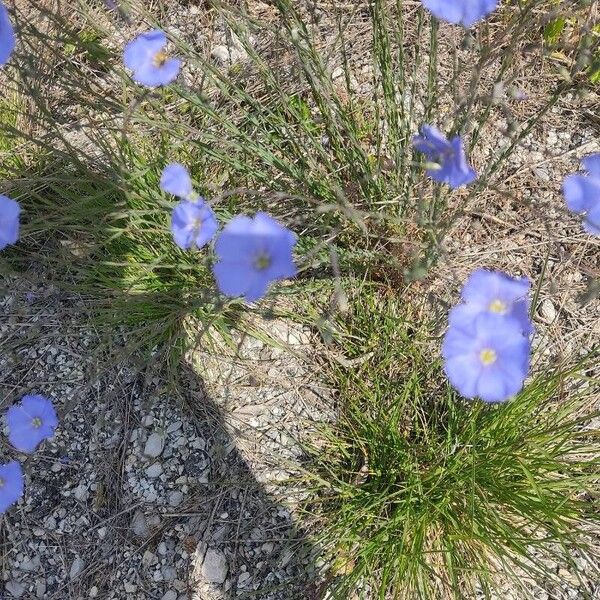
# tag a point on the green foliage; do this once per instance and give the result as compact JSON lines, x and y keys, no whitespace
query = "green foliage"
{"x":287,"y":138}
{"x":574,"y":41}
{"x":554,"y":29}
{"x":427,"y":496}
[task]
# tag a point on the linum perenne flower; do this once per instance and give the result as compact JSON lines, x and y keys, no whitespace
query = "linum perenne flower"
{"x":490,"y":360}
{"x":145,"y":55}
{"x":486,"y":348}
{"x":31,"y":422}
{"x":463,"y":12}
{"x":252,"y":253}
{"x":493,"y":292}
{"x":11,"y":484}
{"x":9,"y":221}
{"x":193,"y":222}
{"x":447,"y":162}
{"x":582,"y":194}
{"x":7,"y":35}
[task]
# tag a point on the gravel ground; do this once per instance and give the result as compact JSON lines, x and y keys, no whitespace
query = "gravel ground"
{"x":146,"y":493}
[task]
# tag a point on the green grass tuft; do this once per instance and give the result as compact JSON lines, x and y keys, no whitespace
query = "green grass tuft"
{"x":428,"y":496}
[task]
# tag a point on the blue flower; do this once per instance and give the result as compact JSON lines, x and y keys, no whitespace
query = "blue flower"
{"x":465,"y":12}
{"x":193,"y":224}
{"x":31,"y":422}
{"x":252,"y":253}
{"x":176,"y":180}
{"x":489,"y":361}
{"x":9,"y":221}
{"x":582,"y":194}
{"x":7,"y":36}
{"x":146,"y":57}
{"x":493,"y":292}
{"x":11,"y":484}
{"x":447,"y":159}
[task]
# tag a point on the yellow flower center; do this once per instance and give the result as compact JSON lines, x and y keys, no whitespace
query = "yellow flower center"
{"x":498,"y":307}
{"x":36,"y":422}
{"x":262,"y":262}
{"x":196,"y":224}
{"x":160,"y":58}
{"x":488,"y":356}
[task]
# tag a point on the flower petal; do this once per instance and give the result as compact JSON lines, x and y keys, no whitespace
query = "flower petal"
{"x":581,"y":192}
{"x":176,"y":180}
{"x":12,"y":487}
{"x":592,"y":165}
{"x":7,"y":36}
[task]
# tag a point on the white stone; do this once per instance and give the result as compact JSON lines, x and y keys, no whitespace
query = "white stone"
{"x":547,"y":311}
{"x":214,"y":567}
{"x":221,"y":54}
{"x":154,"y":445}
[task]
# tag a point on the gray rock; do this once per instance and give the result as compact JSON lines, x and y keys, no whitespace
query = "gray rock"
{"x":81,"y":493}
{"x":214,"y":567}
{"x":15,"y":588}
{"x":173,"y":427}
{"x":149,"y":558}
{"x":175,"y":498}
{"x":154,"y":445}
{"x":170,"y":595}
{"x":31,"y":564}
{"x":139,"y":524}
{"x":77,"y":567}
{"x":267,"y":547}
{"x":40,"y":589}
{"x":155,"y":470}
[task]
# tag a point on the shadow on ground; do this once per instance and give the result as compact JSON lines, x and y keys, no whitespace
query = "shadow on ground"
{"x":143,"y":492}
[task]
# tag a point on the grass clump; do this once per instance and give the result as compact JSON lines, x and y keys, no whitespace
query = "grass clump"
{"x":429,"y":496}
